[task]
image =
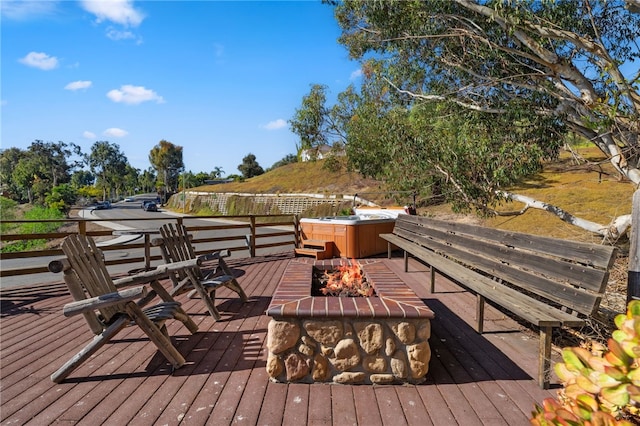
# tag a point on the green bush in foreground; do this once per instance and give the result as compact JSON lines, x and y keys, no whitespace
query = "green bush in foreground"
{"x":43,"y":223}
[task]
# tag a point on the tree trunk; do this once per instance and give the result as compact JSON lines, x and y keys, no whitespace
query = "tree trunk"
{"x":610,"y":233}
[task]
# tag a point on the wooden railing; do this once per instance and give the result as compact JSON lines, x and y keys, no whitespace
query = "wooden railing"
{"x":244,"y":236}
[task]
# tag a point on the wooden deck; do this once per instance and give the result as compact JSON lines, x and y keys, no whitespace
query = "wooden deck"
{"x":473,"y":379}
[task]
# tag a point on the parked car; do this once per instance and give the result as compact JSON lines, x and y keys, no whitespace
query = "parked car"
{"x":129,"y":200}
{"x":102,"y":205}
{"x":150,"y":206}
{"x":144,"y":204}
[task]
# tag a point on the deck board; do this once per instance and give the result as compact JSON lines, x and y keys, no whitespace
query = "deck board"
{"x":473,"y":379}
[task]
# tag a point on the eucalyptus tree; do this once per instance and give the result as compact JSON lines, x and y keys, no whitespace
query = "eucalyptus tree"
{"x":146,"y":180}
{"x":497,"y":67}
{"x":25,"y":176}
{"x":109,"y":165}
{"x":57,"y":159}
{"x":130,"y":179}
{"x":317,"y":124}
{"x":81,"y":178}
{"x":8,"y":159}
{"x":250,"y":167}
{"x":310,"y":122}
{"x":33,"y":172}
{"x":166,"y":159}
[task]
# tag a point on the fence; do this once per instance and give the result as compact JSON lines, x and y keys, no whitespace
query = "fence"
{"x":247,"y":235}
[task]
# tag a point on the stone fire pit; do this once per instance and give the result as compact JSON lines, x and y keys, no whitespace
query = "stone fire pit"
{"x":370,"y":340}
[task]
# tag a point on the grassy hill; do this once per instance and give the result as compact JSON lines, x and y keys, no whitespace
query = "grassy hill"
{"x":581,"y":182}
{"x":308,"y":177}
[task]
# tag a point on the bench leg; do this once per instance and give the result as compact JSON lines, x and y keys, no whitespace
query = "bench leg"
{"x":388,"y":250}
{"x":480,"y":313}
{"x":544,"y":362}
{"x":432,"y":273}
{"x":406,"y":261}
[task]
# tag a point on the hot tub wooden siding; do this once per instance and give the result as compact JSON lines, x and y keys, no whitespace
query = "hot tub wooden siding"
{"x":356,"y":239}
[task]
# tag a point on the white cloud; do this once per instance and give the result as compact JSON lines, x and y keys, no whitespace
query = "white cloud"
{"x":117,"y":11}
{"x":115,"y":132}
{"x":219,"y":48}
{"x":88,"y":135}
{"x":40,"y":60}
{"x":357,"y":73}
{"x":133,"y":95}
{"x":276,"y":124}
{"x":78,"y":85}
{"x":115,"y":34}
{"x":21,"y":10}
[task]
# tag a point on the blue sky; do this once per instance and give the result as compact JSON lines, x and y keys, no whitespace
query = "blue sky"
{"x":220,"y":79}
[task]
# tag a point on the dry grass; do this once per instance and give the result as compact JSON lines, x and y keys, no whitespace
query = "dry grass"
{"x":308,"y":177}
{"x":577,"y":189}
{"x":590,"y":190}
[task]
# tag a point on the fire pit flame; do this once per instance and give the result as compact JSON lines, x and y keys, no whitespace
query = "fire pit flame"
{"x":347,"y":281}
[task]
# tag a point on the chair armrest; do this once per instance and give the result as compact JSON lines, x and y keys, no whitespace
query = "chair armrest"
{"x":215,"y":255}
{"x":157,"y":242}
{"x":109,"y":299}
{"x":162,"y":271}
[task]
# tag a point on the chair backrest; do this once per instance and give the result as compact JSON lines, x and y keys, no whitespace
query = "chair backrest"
{"x":90,"y":275}
{"x":176,"y":247}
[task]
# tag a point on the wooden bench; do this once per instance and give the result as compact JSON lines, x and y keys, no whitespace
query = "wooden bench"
{"x":546,"y":281}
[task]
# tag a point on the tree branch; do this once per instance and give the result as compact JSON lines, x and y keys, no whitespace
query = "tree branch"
{"x":610,"y":232}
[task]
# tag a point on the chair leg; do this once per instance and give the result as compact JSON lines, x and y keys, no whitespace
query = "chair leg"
{"x":206,"y":298}
{"x":97,"y":342}
{"x":209,"y":301}
{"x":162,"y":342}
{"x":233,"y":285}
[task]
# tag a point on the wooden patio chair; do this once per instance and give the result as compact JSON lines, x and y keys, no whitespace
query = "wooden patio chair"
{"x":176,"y":246}
{"x":108,"y":310}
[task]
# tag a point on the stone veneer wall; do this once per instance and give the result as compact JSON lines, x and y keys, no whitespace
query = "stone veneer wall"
{"x":372,"y":340}
{"x":286,"y":203}
{"x":348,"y":350}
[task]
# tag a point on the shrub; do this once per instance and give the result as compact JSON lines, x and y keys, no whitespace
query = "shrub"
{"x":42,"y":224}
{"x":600,"y":387}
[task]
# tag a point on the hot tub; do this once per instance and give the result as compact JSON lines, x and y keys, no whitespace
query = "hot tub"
{"x":355,"y":236}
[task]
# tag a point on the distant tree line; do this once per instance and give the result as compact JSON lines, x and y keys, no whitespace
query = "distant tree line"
{"x":59,"y":174}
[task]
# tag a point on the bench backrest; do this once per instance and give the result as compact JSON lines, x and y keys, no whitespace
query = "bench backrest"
{"x":572,"y":275}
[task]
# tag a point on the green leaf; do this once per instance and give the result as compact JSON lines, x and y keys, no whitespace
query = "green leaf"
{"x":572,"y":360}
{"x":633,"y":309}
{"x":634,"y":376}
{"x":564,"y":373}
{"x":617,"y":396}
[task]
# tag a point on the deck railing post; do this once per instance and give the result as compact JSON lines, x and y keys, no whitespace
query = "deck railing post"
{"x":296,"y":229}
{"x":270,"y":239}
{"x":633,"y":274}
{"x":252,"y":240}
